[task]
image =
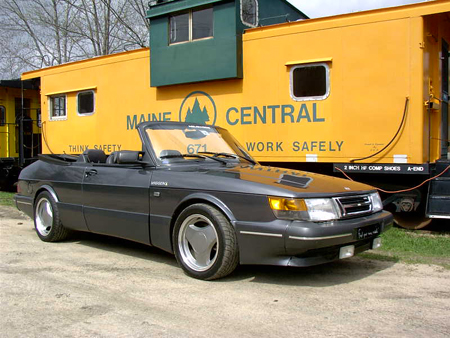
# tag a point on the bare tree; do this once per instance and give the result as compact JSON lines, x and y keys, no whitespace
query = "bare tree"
{"x":42,"y":33}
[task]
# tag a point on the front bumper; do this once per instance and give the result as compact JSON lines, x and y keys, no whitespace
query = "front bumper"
{"x":297,"y":243}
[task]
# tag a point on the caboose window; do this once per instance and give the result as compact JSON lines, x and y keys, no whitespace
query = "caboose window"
{"x":190,"y":26}
{"x":86,"y":103}
{"x":249,"y":12}
{"x":202,"y":24}
{"x":310,"y":82}
{"x":179,"y":28}
{"x":2,"y":116}
{"x":58,"y":110}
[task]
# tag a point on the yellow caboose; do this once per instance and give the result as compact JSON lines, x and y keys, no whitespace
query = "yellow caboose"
{"x":20,"y":113}
{"x":362,"y":94}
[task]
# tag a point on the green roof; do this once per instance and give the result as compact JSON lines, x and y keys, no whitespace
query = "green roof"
{"x":171,"y":6}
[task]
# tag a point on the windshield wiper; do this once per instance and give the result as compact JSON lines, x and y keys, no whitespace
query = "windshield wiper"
{"x":194,"y":155}
{"x":236,"y":156}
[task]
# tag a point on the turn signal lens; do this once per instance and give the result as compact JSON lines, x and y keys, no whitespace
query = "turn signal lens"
{"x":310,"y":209}
{"x":288,"y":208}
{"x":278,"y":203}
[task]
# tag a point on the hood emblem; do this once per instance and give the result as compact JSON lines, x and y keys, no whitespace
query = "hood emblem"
{"x":347,"y":188}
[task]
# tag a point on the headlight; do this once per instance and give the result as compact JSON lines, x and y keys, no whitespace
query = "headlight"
{"x":322,"y":209}
{"x":309,"y":209}
{"x":377,"y":205}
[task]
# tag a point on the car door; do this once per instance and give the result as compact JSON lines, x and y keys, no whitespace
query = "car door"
{"x":116,"y":201}
{"x":65,"y":182}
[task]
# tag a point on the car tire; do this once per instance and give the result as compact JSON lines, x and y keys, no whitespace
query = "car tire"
{"x":46,"y":219}
{"x":205,"y":243}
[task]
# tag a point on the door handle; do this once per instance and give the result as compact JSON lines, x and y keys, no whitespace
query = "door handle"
{"x":90,"y":172}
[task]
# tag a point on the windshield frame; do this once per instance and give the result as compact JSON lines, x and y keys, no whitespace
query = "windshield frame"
{"x":237,"y":148}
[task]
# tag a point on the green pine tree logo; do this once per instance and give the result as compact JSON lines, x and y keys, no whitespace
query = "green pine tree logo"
{"x":197,"y":115}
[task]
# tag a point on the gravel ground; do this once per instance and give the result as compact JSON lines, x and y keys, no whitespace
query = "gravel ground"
{"x":98,"y":286}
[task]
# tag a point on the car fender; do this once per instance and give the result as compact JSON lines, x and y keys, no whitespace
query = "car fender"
{"x":197,"y":197}
{"x":26,"y":203}
{"x":50,"y":190}
{"x":161,"y":236}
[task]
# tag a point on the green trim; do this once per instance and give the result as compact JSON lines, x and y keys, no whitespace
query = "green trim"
{"x":176,"y":6}
{"x":216,"y":58}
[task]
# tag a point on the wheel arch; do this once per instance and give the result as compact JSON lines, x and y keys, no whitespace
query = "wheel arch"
{"x":200,"y":198}
{"x":48,"y":189}
{"x":54,"y":229}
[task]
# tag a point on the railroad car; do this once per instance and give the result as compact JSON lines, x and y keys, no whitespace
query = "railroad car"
{"x":19,"y":128}
{"x":363,"y":94}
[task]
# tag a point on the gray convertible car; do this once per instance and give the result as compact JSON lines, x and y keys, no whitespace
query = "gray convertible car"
{"x":194,"y":191}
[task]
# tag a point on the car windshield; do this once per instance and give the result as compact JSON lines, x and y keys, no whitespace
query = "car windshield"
{"x":194,"y":142}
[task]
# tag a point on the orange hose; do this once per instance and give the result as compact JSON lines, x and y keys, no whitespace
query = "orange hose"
{"x":398,"y":191}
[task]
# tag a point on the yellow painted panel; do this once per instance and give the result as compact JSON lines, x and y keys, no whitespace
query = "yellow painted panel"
{"x":62,"y":91}
{"x":9,"y":133}
{"x":301,"y":62}
{"x":379,"y":63}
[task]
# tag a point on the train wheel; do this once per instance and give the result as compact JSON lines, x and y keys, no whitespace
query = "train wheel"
{"x":411,"y":220}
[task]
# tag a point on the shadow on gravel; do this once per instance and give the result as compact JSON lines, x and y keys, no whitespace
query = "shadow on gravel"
{"x":340,"y":272}
{"x":123,"y":247}
{"x":335,"y":273}
{"x":12,"y":213}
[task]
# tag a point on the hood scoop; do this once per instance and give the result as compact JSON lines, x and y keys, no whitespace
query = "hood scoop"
{"x":295,"y":181}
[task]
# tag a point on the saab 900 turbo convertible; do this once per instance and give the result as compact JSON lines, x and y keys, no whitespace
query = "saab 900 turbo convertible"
{"x":195,"y":192}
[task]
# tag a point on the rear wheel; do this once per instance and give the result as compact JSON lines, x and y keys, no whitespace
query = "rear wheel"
{"x":205,"y":243}
{"x":46,"y":219}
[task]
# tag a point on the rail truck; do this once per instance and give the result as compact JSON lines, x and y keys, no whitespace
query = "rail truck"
{"x":362,"y":95}
{"x":20,"y":112}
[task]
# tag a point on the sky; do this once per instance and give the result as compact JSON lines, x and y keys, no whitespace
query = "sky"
{"x":320,"y":8}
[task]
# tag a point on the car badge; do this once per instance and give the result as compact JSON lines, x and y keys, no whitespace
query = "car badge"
{"x":347,"y":188}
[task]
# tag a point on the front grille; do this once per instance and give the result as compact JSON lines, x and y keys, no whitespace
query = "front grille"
{"x":354,"y":205}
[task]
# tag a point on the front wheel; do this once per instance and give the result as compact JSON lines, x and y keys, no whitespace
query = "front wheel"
{"x":46,"y":219}
{"x":205,"y":243}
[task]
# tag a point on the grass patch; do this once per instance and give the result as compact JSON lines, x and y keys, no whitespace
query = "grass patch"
{"x":415,"y":247}
{"x":6,"y":198}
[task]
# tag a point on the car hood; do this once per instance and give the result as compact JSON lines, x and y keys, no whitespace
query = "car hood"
{"x":259,"y":180}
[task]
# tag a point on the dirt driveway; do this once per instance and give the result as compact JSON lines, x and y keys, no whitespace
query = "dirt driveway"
{"x":96,"y":286}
